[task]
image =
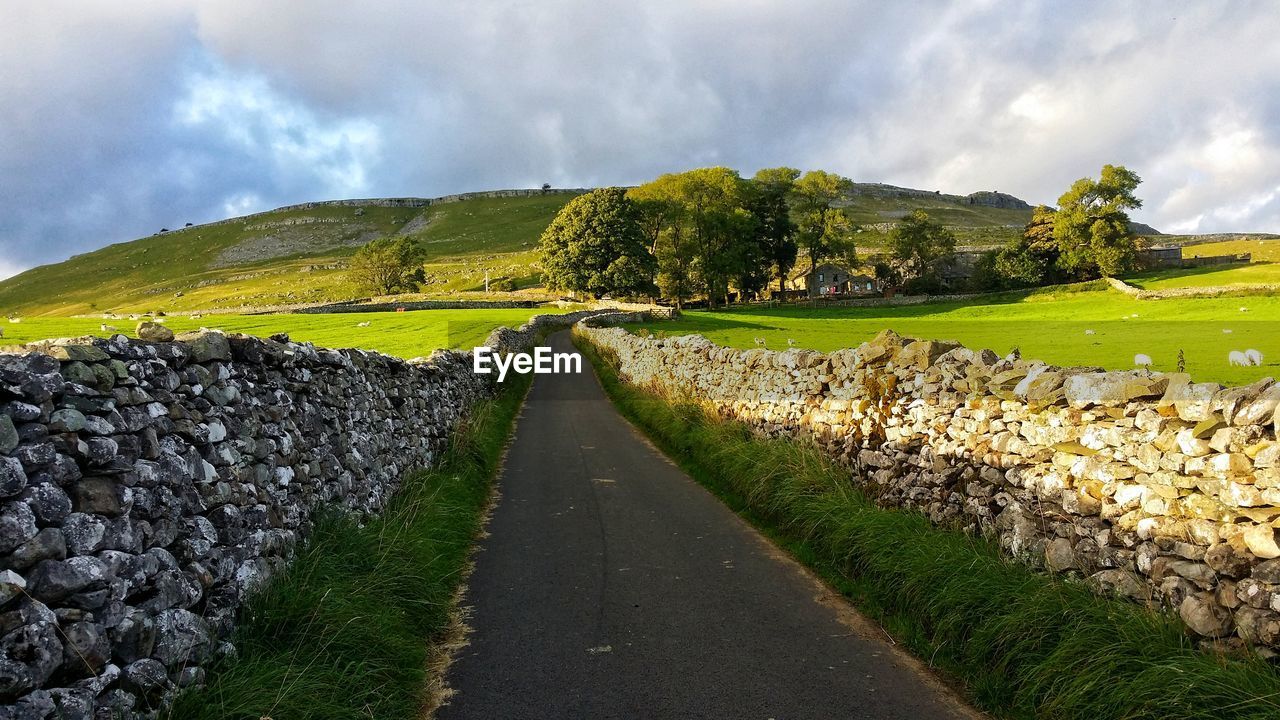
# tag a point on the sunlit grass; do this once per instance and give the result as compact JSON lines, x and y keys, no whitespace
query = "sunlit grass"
{"x":406,"y":335}
{"x":1094,"y":329}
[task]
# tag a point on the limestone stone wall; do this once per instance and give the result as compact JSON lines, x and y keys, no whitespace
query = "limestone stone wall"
{"x":1144,"y":484}
{"x":147,"y":487}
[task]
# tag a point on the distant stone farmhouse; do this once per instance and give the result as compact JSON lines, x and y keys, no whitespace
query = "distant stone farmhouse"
{"x":833,"y":279}
{"x":826,"y":280}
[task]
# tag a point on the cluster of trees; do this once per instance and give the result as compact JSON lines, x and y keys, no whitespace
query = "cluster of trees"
{"x":1087,"y":237}
{"x":709,"y":231}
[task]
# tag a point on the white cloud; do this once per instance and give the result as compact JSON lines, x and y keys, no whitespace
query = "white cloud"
{"x":124,"y":117}
{"x":335,"y":154}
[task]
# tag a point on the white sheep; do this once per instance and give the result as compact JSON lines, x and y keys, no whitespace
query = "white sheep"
{"x":363,"y":324}
{"x":1088,"y":332}
{"x":1254,"y":356}
{"x":1142,"y":360}
{"x":15,"y":319}
{"x":1226,"y":331}
{"x":1244,"y":309}
{"x":108,"y":328}
{"x":791,"y":343}
{"x":1235,"y":357}
{"x":759,"y":342}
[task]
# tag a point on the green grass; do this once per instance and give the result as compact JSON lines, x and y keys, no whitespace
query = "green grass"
{"x":1047,"y":325}
{"x":1024,"y":645}
{"x":406,"y":335}
{"x":1263,"y":249}
{"x":348,"y":630}
{"x":1242,"y":275}
{"x":227,"y":265}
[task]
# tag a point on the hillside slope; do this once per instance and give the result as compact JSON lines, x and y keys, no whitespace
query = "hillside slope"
{"x":290,"y":255}
{"x":298,"y":254}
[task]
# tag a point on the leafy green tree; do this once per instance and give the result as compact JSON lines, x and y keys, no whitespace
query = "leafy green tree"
{"x":986,"y":277}
{"x":919,"y":246}
{"x":1092,"y":226}
{"x":699,"y":219}
{"x":887,"y":275}
{"x":675,"y":253}
{"x":774,"y":231}
{"x":596,"y":245}
{"x":387,"y":265}
{"x":822,"y":228}
{"x":1032,"y":259}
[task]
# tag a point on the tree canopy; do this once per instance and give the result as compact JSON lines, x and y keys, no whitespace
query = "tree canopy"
{"x":387,"y":265}
{"x":1033,"y":258}
{"x":698,"y":216}
{"x":822,"y":228}
{"x":596,"y":245}
{"x":919,"y":246}
{"x":1091,"y":227}
{"x":774,"y":236}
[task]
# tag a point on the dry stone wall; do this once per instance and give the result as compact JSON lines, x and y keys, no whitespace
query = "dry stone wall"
{"x":147,"y":487}
{"x":1143,"y":484}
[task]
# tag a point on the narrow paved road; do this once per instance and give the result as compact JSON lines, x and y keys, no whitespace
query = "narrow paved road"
{"x":613,"y":586}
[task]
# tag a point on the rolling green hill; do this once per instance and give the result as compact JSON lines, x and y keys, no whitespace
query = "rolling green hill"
{"x":298,"y":254}
{"x":978,"y":219}
{"x":291,"y":255}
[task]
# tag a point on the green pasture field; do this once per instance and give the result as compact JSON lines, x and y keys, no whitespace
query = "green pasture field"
{"x":1242,"y":275}
{"x":1049,"y":326}
{"x":406,"y":335}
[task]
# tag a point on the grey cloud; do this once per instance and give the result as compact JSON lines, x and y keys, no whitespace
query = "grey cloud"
{"x":119,"y":120}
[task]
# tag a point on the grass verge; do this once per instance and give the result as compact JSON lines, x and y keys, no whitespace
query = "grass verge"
{"x":347,"y":631}
{"x":1023,"y":644}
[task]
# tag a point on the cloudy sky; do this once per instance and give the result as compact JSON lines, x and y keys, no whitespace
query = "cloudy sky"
{"x":118,"y":118}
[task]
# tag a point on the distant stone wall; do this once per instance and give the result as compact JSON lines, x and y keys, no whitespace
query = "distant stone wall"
{"x":1143,"y":484}
{"x":1191,"y":292}
{"x":146,"y":488}
{"x":364,"y":307}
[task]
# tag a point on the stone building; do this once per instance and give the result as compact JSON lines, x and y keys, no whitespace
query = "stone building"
{"x":832,"y":279}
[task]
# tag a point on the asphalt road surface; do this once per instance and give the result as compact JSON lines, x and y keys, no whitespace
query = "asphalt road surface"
{"x":612,"y":585}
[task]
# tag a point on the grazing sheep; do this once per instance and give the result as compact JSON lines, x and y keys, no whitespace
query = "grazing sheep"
{"x":1088,"y":332}
{"x":15,"y":319}
{"x":1142,"y":360}
{"x":759,"y":342}
{"x":791,"y":343}
{"x":1226,"y":331}
{"x":363,"y":324}
{"x":1254,"y":356}
{"x":1244,"y":309}
{"x":1235,"y":357}
{"x":108,"y":328}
